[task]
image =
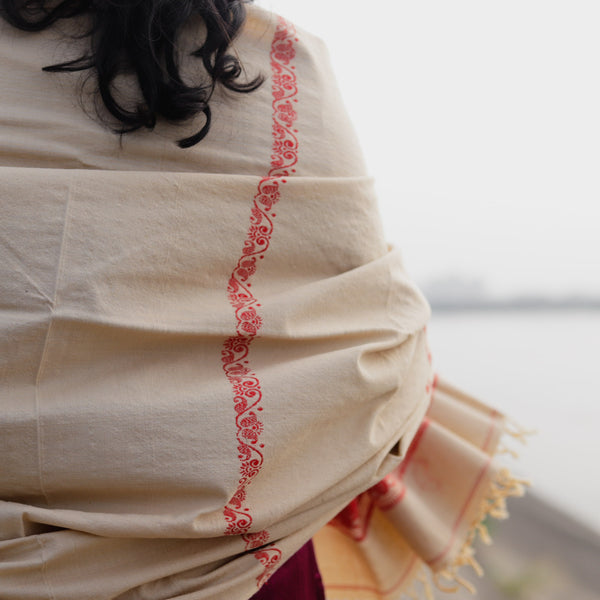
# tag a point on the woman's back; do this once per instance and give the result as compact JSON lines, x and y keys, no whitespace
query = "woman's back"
{"x":187,"y":333}
{"x":207,"y":353}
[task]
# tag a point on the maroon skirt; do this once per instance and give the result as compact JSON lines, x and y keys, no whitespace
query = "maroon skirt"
{"x":296,"y":579}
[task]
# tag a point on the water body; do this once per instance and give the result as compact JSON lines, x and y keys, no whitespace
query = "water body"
{"x":540,"y":368}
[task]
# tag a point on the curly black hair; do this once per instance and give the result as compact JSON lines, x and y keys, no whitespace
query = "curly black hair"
{"x":140,"y":37}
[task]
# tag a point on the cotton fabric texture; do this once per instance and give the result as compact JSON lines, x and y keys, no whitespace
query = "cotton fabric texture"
{"x":205,"y":354}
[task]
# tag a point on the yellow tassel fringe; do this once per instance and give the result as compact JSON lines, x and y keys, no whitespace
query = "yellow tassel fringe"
{"x":493,"y":505}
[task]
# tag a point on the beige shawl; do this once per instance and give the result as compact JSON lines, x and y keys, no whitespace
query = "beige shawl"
{"x":204,"y":354}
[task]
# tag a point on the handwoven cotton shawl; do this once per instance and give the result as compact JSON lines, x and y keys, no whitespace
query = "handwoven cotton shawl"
{"x":206,"y":354}
{"x":199,"y":369}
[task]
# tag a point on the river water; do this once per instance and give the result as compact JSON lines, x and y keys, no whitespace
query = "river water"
{"x":541,"y":369}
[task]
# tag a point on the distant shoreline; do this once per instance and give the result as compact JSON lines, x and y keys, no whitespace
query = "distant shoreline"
{"x":539,"y":552}
{"x":515,"y":304}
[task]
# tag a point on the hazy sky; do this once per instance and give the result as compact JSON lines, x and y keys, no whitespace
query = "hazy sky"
{"x":481,"y":123}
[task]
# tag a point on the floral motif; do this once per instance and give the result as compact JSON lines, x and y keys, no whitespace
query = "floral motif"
{"x":281,"y":147}
{"x":269,"y":558}
{"x":255,"y":540}
{"x":252,"y":422}
{"x":238,"y":295}
{"x":238,"y":498}
{"x":246,"y":268}
{"x":251,"y":428}
{"x":286,"y":113}
{"x":237,"y":370}
{"x":283,"y":51}
{"x":248,"y":471}
{"x":249,"y":321}
{"x":258,"y":235}
{"x":269,"y":192}
{"x":245,"y":388}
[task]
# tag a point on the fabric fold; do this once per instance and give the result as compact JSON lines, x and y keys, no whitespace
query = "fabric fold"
{"x":423,"y":516}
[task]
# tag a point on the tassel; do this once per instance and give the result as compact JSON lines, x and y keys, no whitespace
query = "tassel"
{"x":493,"y":505}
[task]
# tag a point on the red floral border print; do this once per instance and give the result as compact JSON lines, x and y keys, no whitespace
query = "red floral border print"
{"x":247,"y":392}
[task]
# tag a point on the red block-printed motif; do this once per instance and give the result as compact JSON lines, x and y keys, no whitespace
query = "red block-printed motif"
{"x":245,"y":383}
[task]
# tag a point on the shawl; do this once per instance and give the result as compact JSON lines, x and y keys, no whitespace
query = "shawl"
{"x":205,"y":355}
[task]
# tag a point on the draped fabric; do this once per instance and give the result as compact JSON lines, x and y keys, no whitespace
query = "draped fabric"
{"x":205,"y":355}
{"x":422,"y":518}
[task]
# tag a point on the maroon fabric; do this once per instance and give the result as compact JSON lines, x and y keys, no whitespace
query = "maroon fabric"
{"x":297,"y":579}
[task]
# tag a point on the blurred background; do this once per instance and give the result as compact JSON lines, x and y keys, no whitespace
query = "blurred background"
{"x":481,"y":124}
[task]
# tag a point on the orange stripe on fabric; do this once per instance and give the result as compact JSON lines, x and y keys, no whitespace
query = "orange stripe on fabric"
{"x":367,"y":588}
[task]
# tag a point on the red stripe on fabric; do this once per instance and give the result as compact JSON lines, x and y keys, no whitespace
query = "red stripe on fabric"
{"x":247,"y":391}
{"x":494,"y":417}
{"x":462,"y":513}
